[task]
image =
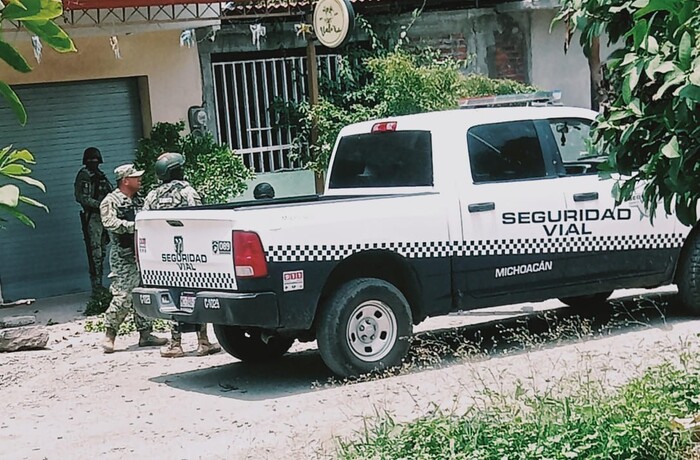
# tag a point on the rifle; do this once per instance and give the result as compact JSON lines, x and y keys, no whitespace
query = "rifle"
{"x":84,"y":222}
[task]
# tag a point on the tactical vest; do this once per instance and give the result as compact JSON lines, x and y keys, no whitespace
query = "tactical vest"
{"x":128,"y":213}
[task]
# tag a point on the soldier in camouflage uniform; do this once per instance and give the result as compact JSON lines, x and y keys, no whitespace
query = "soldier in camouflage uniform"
{"x":175,"y":192}
{"x":118,"y":212}
{"x":91,"y":186}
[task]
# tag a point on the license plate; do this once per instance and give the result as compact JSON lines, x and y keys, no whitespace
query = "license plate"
{"x":145,"y":299}
{"x":187,"y":302}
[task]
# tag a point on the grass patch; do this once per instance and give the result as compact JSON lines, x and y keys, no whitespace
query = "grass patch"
{"x":634,"y":422}
{"x":97,"y":324}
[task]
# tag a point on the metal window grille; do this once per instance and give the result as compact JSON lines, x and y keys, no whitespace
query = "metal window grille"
{"x":244,"y":92}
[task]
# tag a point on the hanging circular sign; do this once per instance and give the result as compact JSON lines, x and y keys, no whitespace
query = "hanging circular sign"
{"x":334,"y":21}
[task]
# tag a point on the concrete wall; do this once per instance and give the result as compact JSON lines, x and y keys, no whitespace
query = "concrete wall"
{"x":170,"y":74}
{"x":551,"y":68}
{"x":513,"y":43}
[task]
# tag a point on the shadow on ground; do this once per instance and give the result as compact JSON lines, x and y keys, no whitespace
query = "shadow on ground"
{"x":51,"y":310}
{"x":303,"y":372}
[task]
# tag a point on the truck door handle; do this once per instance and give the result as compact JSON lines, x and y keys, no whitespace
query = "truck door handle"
{"x":175,"y":223}
{"x":590,"y":196}
{"x":480,"y":207}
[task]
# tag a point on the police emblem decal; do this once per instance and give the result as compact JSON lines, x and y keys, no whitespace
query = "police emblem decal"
{"x":179,"y":245}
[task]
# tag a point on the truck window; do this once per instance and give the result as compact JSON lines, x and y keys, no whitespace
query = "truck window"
{"x":386,"y":159}
{"x":505,"y":151}
{"x":572,"y":137}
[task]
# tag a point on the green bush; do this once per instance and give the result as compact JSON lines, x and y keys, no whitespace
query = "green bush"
{"x":397,"y":83}
{"x":215,"y":171}
{"x":632,"y":423}
{"x":391,"y":78}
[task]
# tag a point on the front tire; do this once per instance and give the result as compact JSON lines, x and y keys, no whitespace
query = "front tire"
{"x":249,"y":344}
{"x":688,"y":276}
{"x":365,"y":326}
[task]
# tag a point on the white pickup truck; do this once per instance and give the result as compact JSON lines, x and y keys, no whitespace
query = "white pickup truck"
{"x":422,"y":215}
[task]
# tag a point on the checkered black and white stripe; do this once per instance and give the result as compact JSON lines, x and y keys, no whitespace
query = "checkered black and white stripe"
{"x":514,"y":246}
{"x":188,"y":279}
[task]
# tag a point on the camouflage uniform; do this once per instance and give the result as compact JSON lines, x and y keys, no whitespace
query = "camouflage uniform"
{"x":174,"y":194}
{"x":90,"y":189}
{"x":118,"y":212}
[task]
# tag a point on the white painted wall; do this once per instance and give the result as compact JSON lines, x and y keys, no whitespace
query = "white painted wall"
{"x":172,"y":72}
{"x":551,"y":68}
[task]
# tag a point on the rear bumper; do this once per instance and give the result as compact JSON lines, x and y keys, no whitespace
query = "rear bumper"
{"x":232,"y":309}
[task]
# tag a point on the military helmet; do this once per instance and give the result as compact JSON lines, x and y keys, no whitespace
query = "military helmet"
{"x":168,"y":165}
{"x":92,"y":154}
{"x":263,"y":190}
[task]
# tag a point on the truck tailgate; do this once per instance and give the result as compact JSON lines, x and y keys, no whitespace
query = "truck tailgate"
{"x":185,"y":249}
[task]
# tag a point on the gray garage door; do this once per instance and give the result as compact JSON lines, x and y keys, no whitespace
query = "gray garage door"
{"x":63,"y":120}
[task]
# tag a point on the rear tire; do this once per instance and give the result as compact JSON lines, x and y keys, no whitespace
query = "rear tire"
{"x":586,"y":300}
{"x":365,"y":326}
{"x":688,"y":276}
{"x":247,"y":344}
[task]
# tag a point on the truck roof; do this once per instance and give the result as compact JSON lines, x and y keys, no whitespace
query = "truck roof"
{"x":466,"y":118}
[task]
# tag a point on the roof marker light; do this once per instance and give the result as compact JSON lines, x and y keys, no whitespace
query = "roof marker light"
{"x":384,"y":126}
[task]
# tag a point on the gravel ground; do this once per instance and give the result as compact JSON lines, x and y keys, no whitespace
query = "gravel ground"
{"x":72,"y":401}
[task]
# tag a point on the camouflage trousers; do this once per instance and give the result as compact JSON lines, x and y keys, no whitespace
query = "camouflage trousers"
{"x":124,"y":279}
{"x":98,"y":238}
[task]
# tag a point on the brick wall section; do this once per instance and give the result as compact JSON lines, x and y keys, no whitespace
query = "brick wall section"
{"x":453,"y":45}
{"x":507,"y":56}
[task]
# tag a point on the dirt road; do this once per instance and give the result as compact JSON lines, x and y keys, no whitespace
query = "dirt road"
{"x":71,"y":401}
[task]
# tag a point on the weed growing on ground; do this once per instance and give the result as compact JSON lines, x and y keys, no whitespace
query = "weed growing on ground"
{"x":633,"y":422}
{"x":128,"y":326}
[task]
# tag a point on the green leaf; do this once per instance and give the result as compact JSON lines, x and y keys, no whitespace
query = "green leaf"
{"x":639,"y":32}
{"x":629,"y":59}
{"x":691,"y":92}
{"x":14,"y":169}
{"x":636,"y":107}
{"x":616,"y":192}
{"x":672,"y":79}
{"x":32,"y":202}
{"x":9,"y":54}
{"x":634,"y":75}
{"x":31,"y":181}
{"x":21,"y":155}
{"x":14,"y":102}
{"x":694,"y":77}
{"x":627,"y":89}
{"x":686,"y":210}
{"x":9,"y":195}
{"x":671,"y":150}
{"x":18,"y":215}
{"x":52,"y":34}
{"x":650,"y":45}
{"x":658,"y":5}
{"x":619,"y":115}
{"x":33,"y":10}
{"x":685,"y":48}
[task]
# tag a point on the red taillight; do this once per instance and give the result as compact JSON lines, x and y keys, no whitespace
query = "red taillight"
{"x":248,"y":255}
{"x":384,"y":126}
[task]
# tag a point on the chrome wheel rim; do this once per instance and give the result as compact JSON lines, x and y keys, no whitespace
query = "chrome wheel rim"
{"x":372,"y":331}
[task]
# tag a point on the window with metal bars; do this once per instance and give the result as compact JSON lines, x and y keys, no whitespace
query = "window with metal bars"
{"x":244,"y":92}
